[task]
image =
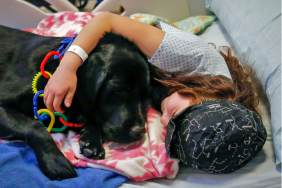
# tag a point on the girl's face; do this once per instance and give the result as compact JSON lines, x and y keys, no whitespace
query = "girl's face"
{"x":173,"y":105}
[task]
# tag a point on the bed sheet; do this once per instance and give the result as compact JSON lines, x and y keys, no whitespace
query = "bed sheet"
{"x":259,"y":172}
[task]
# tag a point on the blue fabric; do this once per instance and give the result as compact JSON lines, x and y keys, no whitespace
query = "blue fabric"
{"x":255,"y":29}
{"x":19,"y":168}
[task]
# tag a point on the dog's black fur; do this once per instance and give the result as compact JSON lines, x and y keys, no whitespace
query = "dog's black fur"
{"x":114,"y":87}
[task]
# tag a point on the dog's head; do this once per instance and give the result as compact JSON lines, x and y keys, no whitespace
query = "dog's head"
{"x":114,"y":88}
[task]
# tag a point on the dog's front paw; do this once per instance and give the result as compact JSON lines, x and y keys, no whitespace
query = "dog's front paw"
{"x":91,"y":145}
{"x":56,"y":167}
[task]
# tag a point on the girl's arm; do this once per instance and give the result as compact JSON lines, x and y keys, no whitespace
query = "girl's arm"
{"x":63,"y":82}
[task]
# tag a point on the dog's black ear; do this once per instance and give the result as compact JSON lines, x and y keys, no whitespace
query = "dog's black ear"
{"x":158,"y":91}
{"x":99,"y":75}
{"x":89,"y":82}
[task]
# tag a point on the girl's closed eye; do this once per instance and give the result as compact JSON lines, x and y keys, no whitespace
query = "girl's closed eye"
{"x":173,"y":105}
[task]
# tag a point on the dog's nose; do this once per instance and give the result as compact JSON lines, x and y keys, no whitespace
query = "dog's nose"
{"x":137,"y":131}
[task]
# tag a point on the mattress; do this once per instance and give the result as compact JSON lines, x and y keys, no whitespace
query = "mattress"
{"x":261,"y":171}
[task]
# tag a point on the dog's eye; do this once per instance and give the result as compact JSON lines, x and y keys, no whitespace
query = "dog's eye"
{"x":119,"y":90}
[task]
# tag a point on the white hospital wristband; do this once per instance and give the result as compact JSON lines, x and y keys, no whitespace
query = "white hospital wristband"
{"x":79,"y":51}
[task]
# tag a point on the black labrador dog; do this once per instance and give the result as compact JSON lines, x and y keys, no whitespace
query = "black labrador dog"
{"x":115,"y":85}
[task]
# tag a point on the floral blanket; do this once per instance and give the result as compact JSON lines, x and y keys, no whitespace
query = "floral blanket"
{"x":141,"y":160}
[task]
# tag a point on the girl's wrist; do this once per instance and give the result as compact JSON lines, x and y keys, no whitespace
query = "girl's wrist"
{"x":71,"y":61}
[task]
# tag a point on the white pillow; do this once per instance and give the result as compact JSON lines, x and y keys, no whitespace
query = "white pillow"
{"x":255,"y":29}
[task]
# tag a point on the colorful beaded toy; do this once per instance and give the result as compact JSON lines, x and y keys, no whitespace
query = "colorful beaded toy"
{"x":43,"y":114}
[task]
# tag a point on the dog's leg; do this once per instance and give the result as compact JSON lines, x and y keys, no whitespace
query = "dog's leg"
{"x":14,"y":125}
{"x":91,"y":143}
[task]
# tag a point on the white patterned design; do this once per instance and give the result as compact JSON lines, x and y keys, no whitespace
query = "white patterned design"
{"x":181,"y":50}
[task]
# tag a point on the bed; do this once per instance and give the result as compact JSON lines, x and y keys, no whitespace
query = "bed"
{"x":259,"y":172}
{"x":254,"y":29}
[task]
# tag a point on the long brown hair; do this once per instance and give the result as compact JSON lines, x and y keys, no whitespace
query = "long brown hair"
{"x":209,"y":87}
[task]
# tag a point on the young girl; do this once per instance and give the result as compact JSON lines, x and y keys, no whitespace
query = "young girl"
{"x":209,"y":114}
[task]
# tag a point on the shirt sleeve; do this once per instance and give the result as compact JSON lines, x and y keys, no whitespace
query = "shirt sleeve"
{"x":182,"y":50}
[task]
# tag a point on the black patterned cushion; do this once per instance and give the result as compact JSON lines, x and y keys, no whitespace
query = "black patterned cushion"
{"x":217,"y":136}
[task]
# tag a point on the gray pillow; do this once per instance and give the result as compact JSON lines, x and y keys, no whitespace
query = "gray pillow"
{"x":255,"y":29}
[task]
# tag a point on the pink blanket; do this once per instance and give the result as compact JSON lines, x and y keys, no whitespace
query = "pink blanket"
{"x":141,"y":160}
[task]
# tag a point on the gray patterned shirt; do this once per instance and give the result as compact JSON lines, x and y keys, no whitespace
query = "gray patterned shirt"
{"x":181,"y":50}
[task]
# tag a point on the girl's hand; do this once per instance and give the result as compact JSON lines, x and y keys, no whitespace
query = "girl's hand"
{"x":62,"y":84}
